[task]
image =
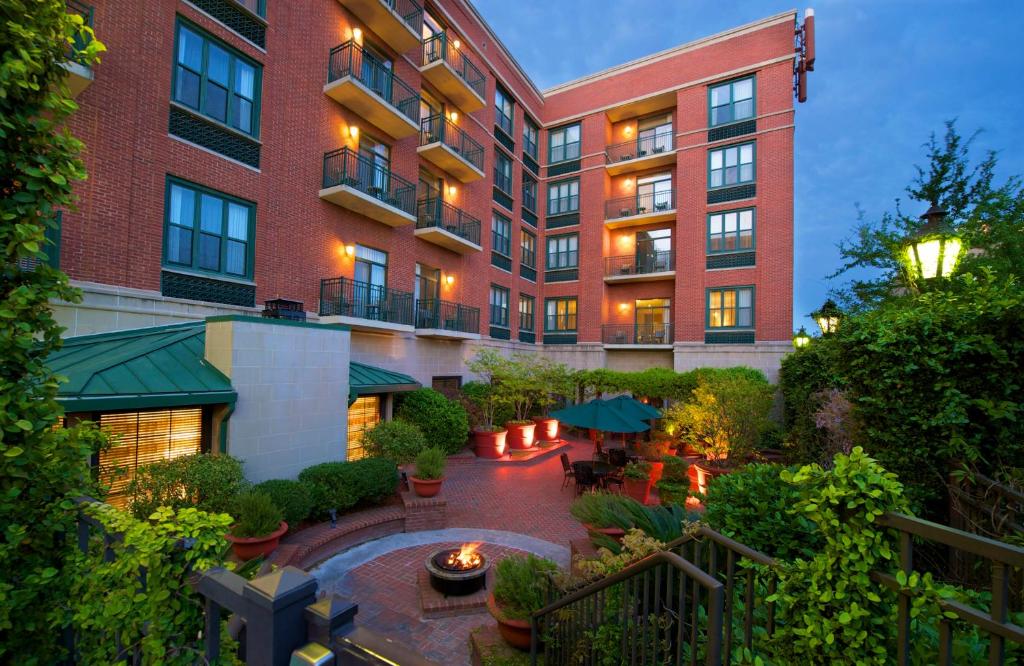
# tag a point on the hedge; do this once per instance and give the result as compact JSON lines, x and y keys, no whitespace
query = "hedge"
{"x":343,"y":485}
{"x":443,"y":422}
{"x":293,"y":498}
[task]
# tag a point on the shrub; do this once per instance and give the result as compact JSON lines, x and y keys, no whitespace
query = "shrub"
{"x":443,"y":422}
{"x":664,"y":523}
{"x":637,"y":470}
{"x":598,"y":509}
{"x":343,"y":485}
{"x":397,"y":440}
{"x":484,"y":409}
{"x":293,"y":498}
{"x":674,"y":485}
{"x":521,"y":584}
{"x":430,"y":464}
{"x":207,"y":482}
{"x":753,"y":506}
{"x":255,"y":515}
{"x":803,"y":377}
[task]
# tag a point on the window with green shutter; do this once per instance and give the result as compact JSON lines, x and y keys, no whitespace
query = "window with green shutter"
{"x":208,"y":231}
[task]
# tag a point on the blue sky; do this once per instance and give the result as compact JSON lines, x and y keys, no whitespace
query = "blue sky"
{"x":887,"y":74}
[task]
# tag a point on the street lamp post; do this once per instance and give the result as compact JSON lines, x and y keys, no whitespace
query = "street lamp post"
{"x":801,"y":339}
{"x":934,"y":250}
{"x":828,"y":317}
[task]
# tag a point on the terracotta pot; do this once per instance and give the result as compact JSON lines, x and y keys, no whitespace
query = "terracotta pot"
{"x":613,"y":532}
{"x":638,"y":489}
{"x":246,"y":548}
{"x":520,"y":435}
{"x":426,"y":487}
{"x":515,"y":632}
{"x":706,"y":472}
{"x":547,"y":429}
{"x":487,"y":444}
{"x":656,"y":469}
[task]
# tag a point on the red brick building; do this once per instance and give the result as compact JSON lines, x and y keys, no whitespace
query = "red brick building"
{"x":391,"y":167}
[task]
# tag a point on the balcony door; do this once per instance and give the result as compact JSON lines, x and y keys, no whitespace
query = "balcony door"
{"x":653,"y":251}
{"x":654,"y":135}
{"x":427,"y":292}
{"x":370,"y":288}
{"x":374,"y":164}
{"x":653,"y":321}
{"x":653,"y":193}
{"x":431,"y":116}
{"x":376,"y":71}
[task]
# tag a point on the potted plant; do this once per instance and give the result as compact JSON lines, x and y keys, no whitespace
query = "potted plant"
{"x":519,"y":384}
{"x":429,"y":474}
{"x":636,"y":481}
{"x":258,"y":527}
{"x":654,"y":452}
{"x":601,"y":513}
{"x":396,"y":440}
{"x":555,"y":380}
{"x":674,"y":486}
{"x":520,"y":584}
{"x":489,"y":441}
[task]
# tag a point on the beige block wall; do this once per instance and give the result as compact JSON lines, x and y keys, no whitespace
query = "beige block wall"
{"x":764,"y":356}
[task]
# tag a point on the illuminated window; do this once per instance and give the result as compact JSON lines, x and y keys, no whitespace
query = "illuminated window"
{"x":363,"y":414}
{"x":731,"y":307}
{"x":560,"y":315}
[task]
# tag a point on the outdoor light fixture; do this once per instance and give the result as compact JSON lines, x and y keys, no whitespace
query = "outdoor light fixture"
{"x":353,"y":131}
{"x":623,"y":307}
{"x":801,"y":339}
{"x":357,"y":35}
{"x":827,"y":317}
{"x":628,"y":131}
{"x":454,"y":116}
{"x":449,"y":279}
{"x":456,"y":43}
{"x":933,"y":251}
{"x":452,"y":190}
{"x":350,"y":250}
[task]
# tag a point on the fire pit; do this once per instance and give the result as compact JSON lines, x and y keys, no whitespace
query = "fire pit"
{"x":458,"y":571}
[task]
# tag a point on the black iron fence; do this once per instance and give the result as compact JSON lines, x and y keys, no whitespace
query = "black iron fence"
{"x":437,"y":213}
{"x":640,"y":264}
{"x":411,"y":12}
{"x":641,"y":147}
{"x":447,"y":316}
{"x":350,"y":59}
{"x":348,"y":167}
{"x":640,"y":204}
{"x":438,"y":128}
{"x":351,"y":298}
{"x":440,"y":47}
{"x":636,"y":334}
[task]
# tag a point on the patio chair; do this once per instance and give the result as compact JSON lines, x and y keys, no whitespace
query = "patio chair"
{"x":567,"y":470}
{"x":617,"y":457}
{"x":661,"y":206}
{"x":583,"y":474}
{"x":613,"y":479}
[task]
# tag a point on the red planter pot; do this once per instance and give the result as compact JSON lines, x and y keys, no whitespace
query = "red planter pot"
{"x":547,"y":429}
{"x":246,"y":548}
{"x":706,"y":473}
{"x":426,"y":487}
{"x":656,"y":469}
{"x":515,"y":632}
{"x":520,"y":435}
{"x":487,"y":444}
{"x":638,"y":489}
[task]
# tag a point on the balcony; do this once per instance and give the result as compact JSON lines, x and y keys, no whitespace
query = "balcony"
{"x":450,"y":70}
{"x":360,"y":184}
{"x":446,"y":320}
{"x":448,"y":147}
{"x":637,"y":336}
{"x":644,"y":153}
{"x":649,"y":267}
{"x":365,"y":307}
{"x":397,"y":22}
{"x":361,"y":83}
{"x":79,"y":76}
{"x":640,"y":209}
{"x":443,"y":224}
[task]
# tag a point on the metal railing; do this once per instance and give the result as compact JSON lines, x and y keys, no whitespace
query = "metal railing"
{"x":636,"y":334}
{"x":347,"y":167}
{"x":439,"y":47}
{"x":438,"y":128}
{"x":447,"y":316}
{"x":350,"y":59}
{"x":637,"y":148}
{"x":351,"y":298}
{"x":640,"y":264}
{"x":640,"y":204}
{"x":411,"y":12}
{"x":437,"y":213}
{"x":80,"y":41}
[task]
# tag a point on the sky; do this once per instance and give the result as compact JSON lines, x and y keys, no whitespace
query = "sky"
{"x":888,"y":73}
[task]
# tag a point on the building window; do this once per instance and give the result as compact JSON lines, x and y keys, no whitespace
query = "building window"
{"x":502,"y":172}
{"x":449,"y":386}
{"x":530,"y":133}
{"x":731,"y":101}
{"x":208,"y":231}
{"x":529,"y":192}
{"x":499,"y":306}
{"x":258,"y":7}
{"x":731,"y":231}
{"x":216,"y":81}
{"x":560,"y":314}
{"x":528,"y":249}
{"x":654,"y":251}
{"x":654,"y":193}
{"x":363,"y":414}
{"x":503,"y":110}
{"x":371,"y":267}
{"x":564,"y":197}
{"x":731,"y":166}
{"x":654,"y":135}
{"x":501,"y":234}
{"x":731,"y":307}
{"x":564,"y":144}
{"x":563,"y":252}
{"x":525,"y":312}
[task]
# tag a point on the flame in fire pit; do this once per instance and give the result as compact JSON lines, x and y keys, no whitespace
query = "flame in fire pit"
{"x":465,"y":558}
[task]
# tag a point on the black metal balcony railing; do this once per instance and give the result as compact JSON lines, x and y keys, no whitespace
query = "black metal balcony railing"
{"x":640,"y":204}
{"x":435,"y":212}
{"x":411,"y":12}
{"x":637,"y":148}
{"x":351,"y":298}
{"x":438,"y":128}
{"x":347,"y":167}
{"x":637,"y":334}
{"x":80,"y":40}
{"x":440,"y":47}
{"x":447,"y":316}
{"x":640,"y":264}
{"x":349,"y":59}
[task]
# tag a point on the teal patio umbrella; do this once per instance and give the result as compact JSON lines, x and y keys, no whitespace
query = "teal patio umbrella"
{"x":634,"y":409}
{"x":601,"y":415}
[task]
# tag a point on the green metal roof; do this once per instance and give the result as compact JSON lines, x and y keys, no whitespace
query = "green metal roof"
{"x":162,"y":366}
{"x":366,"y":379}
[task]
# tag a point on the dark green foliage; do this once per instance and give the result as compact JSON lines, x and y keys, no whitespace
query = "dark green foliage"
{"x":430,"y":464}
{"x":293,"y":498}
{"x":443,"y":422}
{"x":752,"y":505}
{"x":674,"y":485}
{"x":207,"y":482}
{"x":654,"y":382}
{"x":398,"y":441}
{"x":598,"y":509}
{"x":602,"y":510}
{"x":477,"y":400}
{"x":343,"y":485}
{"x":803,"y":378}
{"x":256,"y":515}
{"x":521,"y":583}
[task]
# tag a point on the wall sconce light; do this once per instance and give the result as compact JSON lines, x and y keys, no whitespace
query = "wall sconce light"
{"x":453,"y":116}
{"x":623,"y":307}
{"x":449,"y":279}
{"x":357,"y":35}
{"x":452,"y":190}
{"x":628,"y":131}
{"x":350,"y":250}
{"x":353,"y":131}
{"x":456,"y":43}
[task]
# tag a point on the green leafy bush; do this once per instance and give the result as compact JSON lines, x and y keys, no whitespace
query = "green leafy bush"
{"x":256,"y":515}
{"x":598,"y":509}
{"x":343,"y":485}
{"x":753,"y":505}
{"x":207,"y":482}
{"x":603,"y":510}
{"x":443,"y":422}
{"x":486,"y":410}
{"x":804,"y":378}
{"x":430,"y":464}
{"x":293,"y":498}
{"x":637,"y":470}
{"x":397,"y":440}
{"x":674,"y":484}
{"x":521,"y":583}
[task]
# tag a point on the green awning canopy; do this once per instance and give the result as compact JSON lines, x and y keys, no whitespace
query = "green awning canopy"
{"x":601,"y":415}
{"x":368,"y":379}
{"x":162,"y":366}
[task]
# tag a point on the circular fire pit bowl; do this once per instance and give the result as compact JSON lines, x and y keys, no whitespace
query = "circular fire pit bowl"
{"x":451,"y":578}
